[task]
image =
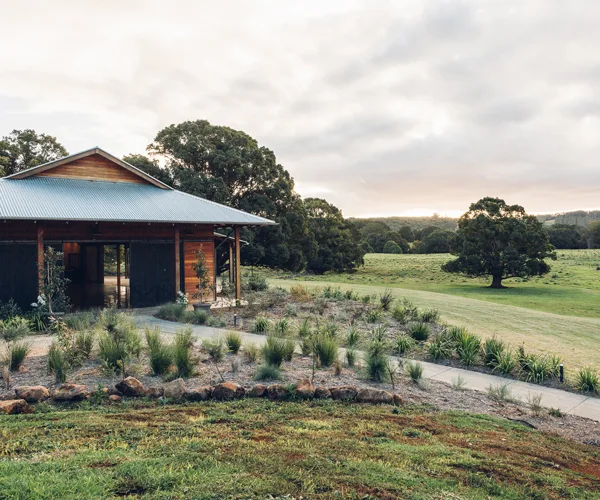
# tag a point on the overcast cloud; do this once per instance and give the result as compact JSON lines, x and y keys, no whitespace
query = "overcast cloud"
{"x":381,"y":107}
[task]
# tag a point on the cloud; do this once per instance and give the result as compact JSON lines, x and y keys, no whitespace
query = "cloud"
{"x":382,"y":107}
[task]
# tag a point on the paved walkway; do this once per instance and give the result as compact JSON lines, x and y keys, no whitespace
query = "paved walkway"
{"x":567,"y":402}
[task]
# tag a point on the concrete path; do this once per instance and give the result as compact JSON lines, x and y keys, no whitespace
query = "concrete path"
{"x":567,"y":402}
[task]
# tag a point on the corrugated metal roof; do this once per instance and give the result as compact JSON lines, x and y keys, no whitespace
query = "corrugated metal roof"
{"x":48,"y":198}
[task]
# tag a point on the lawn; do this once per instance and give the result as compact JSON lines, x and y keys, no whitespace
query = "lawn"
{"x":255,"y":448}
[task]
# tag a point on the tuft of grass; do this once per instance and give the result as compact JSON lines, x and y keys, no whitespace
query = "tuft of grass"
{"x":352,"y":337}
{"x":119,"y":341}
{"x":587,"y":380}
{"x":251,"y":352}
{"x":195,"y":317}
{"x":386,"y":298}
{"x":376,"y":360}
{"x":261,"y":325}
{"x":404,"y":343}
{"x":534,"y":401}
{"x":493,"y":348}
{"x":419,"y":331}
{"x":84,"y":343}
{"x":281,"y":327}
{"x":458,"y":383}
{"x":500,"y":392}
{"x":325,"y":349}
{"x":439,"y":349}
{"x":414,"y":370}
{"x":57,"y":363}
{"x":267,"y":372}
{"x":159,"y":354}
{"x":277,"y":349}
{"x":216,"y":352}
{"x":233,"y":341}
{"x":14,"y":328}
{"x":429,"y":316}
{"x":184,"y":361}
{"x":171,"y":312}
{"x":506,"y":362}
{"x":372,"y":315}
{"x":467,"y":347}
{"x":555,"y":412}
{"x":304,"y":329}
{"x":350,"y":357}
{"x":16,"y":352}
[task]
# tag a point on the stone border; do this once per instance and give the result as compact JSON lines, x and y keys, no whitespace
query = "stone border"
{"x":176,"y":390}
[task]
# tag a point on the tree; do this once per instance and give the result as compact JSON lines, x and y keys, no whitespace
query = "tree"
{"x":439,"y":241}
{"x":499,"y":240}
{"x":337,"y":240}
{"x":565,"y":236}
{"x":407,"y":233}
{"x":379,"y":239}
{"x":392,"y":247}
{"x":426,"y":231}
{"x":203,"y":274}
{"x":593,"y":234}
{"x":23,"y":149}
{"x":151,"y":167}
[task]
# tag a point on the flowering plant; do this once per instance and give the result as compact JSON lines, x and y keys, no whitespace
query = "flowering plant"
{"x":182,"y":299}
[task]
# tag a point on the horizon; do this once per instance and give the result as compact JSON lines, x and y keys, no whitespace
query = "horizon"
{"x":395,"y":109}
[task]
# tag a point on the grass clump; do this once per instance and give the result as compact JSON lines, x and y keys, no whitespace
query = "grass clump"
{"x":171,"y":312}
{"x":404,"y":343}
{"x":386,"y":298}
{"x":429,"y":316}
{"x":506,"y":362}
{"x":184,"y":361}
{"x":261,"y":325}
{"x":467,"y":346}
{"x":267,"y":372}
{"x":159,"y":354}
{"x":352,"y":337}
{"x":458,"y":383}
{"x":325,"y":349}
{"x":16,"y":352}
{"x":493,"y":348}
{"x":372,"y":315}
{"x":500,"y":392}
{"x":281,"y":327}
{"x":233,"y":341}
{"x":414,"y":370}
{"x":587,"y":380}
{"x":84,"y":343}
{"x":419,"y":331}
{"x":14,"y":328}
{"x":216,"y":353}
{"x":195,"y":317}
{"x":439,"y":348}
{"x":119,"y":341}
{"x":251,"y":352}
{"x":351,"y":357}
{"x":277,"y":349}
{"x":376,"y":360}
{"x":57,"y":364}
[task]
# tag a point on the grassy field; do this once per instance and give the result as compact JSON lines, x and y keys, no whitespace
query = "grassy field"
{"x":559,"y":313}
{"x":254,"y":448}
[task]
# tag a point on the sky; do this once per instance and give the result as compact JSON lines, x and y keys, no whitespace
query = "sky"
{"x":381,"y":107}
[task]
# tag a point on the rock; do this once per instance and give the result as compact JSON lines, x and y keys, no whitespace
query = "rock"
{"x":258,"y":391}
{"x":278,"y":392}
{"x":175,"y":389}
{"x":373,"y":396}
{"x":305,"y":389}
{"x":198,"y":394}
{"x":228,"y":390}
{"x":14,"y":406}
{"x":398,"y":400}
{"x":154,"y":392}
{"x":113,"y":398}
{"x":113,"y":391}
{"x":32,"y":393}
{"x":22,"y":369}
{"x":344,"y":393}
{"x":131,"y":387}
{"x":70,"y":392}
{"x":322,"y":392}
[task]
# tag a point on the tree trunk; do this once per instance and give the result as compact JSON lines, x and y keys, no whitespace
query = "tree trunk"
{"x":496,"y":282}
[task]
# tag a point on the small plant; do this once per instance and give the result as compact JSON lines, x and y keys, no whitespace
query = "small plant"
{"x":195,"y":317}
{"x":391,"y":369}
{"x":439,"y":349}
{"x":14,"y":328}
{"x":216,"y":353}
{"x":233,"y":341}
{"x":119,"y":342}
{"x":499,"y":392}
{"x":458,"y":383}
{"x":555,"y":412}
{"x":182,"y":352}
{"x":5,"y":375}
{"x":386,"y":299}
{"x":281,"y":327}
{"x":350,"y":357}
{"x":160,"y":355}
{"x":267,"y":372}
{"x":276,"y":349}
{"x":352,"y":337}
{"x":304,"y":329}
{"x":54,"y":286}
{"x":84,"y":343}
{"x":372,"y":316}
{"x":429,"y":316}
{"x":9,"y":309}
{"x":202,"y":272}
{"x":534,"y":401}
{"x":81,"y":321}
{"x":492,"y":350}
{"x":467,"y":347}
{"x":419,"y":331}
{"x":256,"y":283}
{"x":365,"y":299}
{"x":587,"y":380}
{"x":251,"y":352}
{"x":235,"y":366}
{"x":300,"y":293}
{"x":337,"y":368}
{"x":376,"y":360}
{"x":171,"y":312}
{"x":506,"y":362}
{"x":414,"y":370}
{"x":182,"y":299}
{"x":261,"y":325}
{"x":537,"y":368}
{"x":290,"y":310}
{"x":404,"y":343}
{"x":57,"y":363}
{"x":325,"y":349}
{"x":16,"y":352}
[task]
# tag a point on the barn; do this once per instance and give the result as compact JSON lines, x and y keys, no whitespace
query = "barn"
{"x":90,"y":204}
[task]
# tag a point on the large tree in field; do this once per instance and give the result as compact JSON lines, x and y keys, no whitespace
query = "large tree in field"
{"x":23,"y":149}
{"x":499,"y":240}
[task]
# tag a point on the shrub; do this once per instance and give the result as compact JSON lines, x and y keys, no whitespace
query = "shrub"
{"x":419,"y":331}
{"x":233,"y":341}
{"x":372,"y":315}
{"x":195,"y":317}
{"x":352,"y":336}
{"x":379,"y":333}
{"x":587,"y":380}
{"x":499,"y":392}
{"x":403,"y":344}
{"x":330,"y":329}
{"x":375,"y":360}
{"x":555,"y":412}
{"x":334,"y":293}
{"x":467,"y":347}
{"x":160,"y":355}
{"x":492,"y":350}
{"x":306,"y":346}
{"x":281,"y":327}
{"x":386,"y":299}
{"x":439,"y":349}
{"x":80,"y":321}
{"x":216,"y":352}
{"x":16,"y":352}
{"x":351,"y":295}
{"x":365,"y":299}
{"x":290,"y":310}
{"x":171,"y":312}
{"x":119,"y":342}
{"x":267,"y":372}
{"x":9,"y":310}
{"x":57,"y":364}
{"x":506,"y":362}
{"x":276,"y":349}
{"x":84,"y":343}
{"x":14,"y":328}
{"x":300,"y":293}
{"x":537,"y":368}
{"x":251,"y":352}
{"x":325,"y":349}
{"x":350,"y":357}
{"x":304,"y":329}
{"x":534,"y":401}
{"x":429,"y":316}
{"x":182,"y":352}
{"x":261,"y":325}
{"x":414,"y":371}
{"x":256,"y":283}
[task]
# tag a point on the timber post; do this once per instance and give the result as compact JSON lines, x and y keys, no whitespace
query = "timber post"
{"x":40,"y":257}
{"x":238,"y":271}
{"x":176,"y":244}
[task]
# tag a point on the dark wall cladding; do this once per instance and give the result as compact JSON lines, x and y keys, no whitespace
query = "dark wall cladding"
{"x":18,"y":273}
{"x":152,"y":273}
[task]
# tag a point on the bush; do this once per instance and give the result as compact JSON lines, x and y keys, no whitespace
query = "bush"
{"x":467,"y":347}
{"x":300,"y":293}
{"x":185,"y":363}
{"x":14,"y":328}
{"x":439,"y":349}
{"x":429,"y":316}
{"x":281,"y":327}
{"x":419,"y":331}
{"x":233,"y":341}
{"x":9,"y":310}
{"x":403,"y":344}
{"x":195,"y":317}
{"x":372,"y":315}
{"x":350,"y":357}
{"x":499,"y":392}
{"x":57,"y":364}
{"x":160,"y":355}
{"x":290,"y":310}
{"x":171,"y":312}
{"x":352,"y":336}
{"x":330,"y":292}
{"x":376,"y":360}
{"x":492,"y":350}
{"x":216,"y":352}
{"x":386,"y":299}
{"x":256,"y":283}
{"x":276,"y":349}
{"x":251,"y":352}
{"x":415,"y":371}
{"x":80,"y":321}
{"x":261,"y":325}
{"x":16,"y":352}
{"x":304,"y":329}
{"x":325,"y":349}
{"x":267,"y":372}
{"x":391,"y":247}
{"x":119,"y":342}
{"x":587,"y":380}
{"x":506,"y":362}
{"x":84,"y":343}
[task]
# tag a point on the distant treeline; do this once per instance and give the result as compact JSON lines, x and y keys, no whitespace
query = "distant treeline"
{"x":415,"y":223}
{"x":576,"y":218}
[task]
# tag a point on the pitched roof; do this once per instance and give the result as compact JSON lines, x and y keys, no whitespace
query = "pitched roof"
{"x":23,"y":174}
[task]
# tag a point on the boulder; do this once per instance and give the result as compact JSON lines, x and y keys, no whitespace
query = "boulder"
{"x":258,"y":391}
{"x":175,"y":389}
{"x":131,"y":387}
{"x":199,"y":393}
{"x":278,"y":392}
{"x":373,"y":396}
{"x":32,"y":393}
{"x":154,"y":392}
{"x":14,"y":406}
{"x":228,"y":390}
{"x":322,"y":392}
{"x":398,"y":400}
{"x":70,"y":392}
{"x":113,"y":398}
{"x":113,"y":391}
{"x":305,"y":389}
{"x":344,"y":393}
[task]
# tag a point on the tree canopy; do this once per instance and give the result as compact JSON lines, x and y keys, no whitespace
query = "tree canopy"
{"x":439,"y":241}
{"x":593,"y":234}
{"x":499,"y":240}
{"x":563,"y":236}
{"x":392,"y":247}
{"x":23,"y":149}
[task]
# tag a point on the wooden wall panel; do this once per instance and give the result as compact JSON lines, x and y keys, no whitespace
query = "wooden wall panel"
{"x":189,"y":257}
{"x":93,"y":168}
